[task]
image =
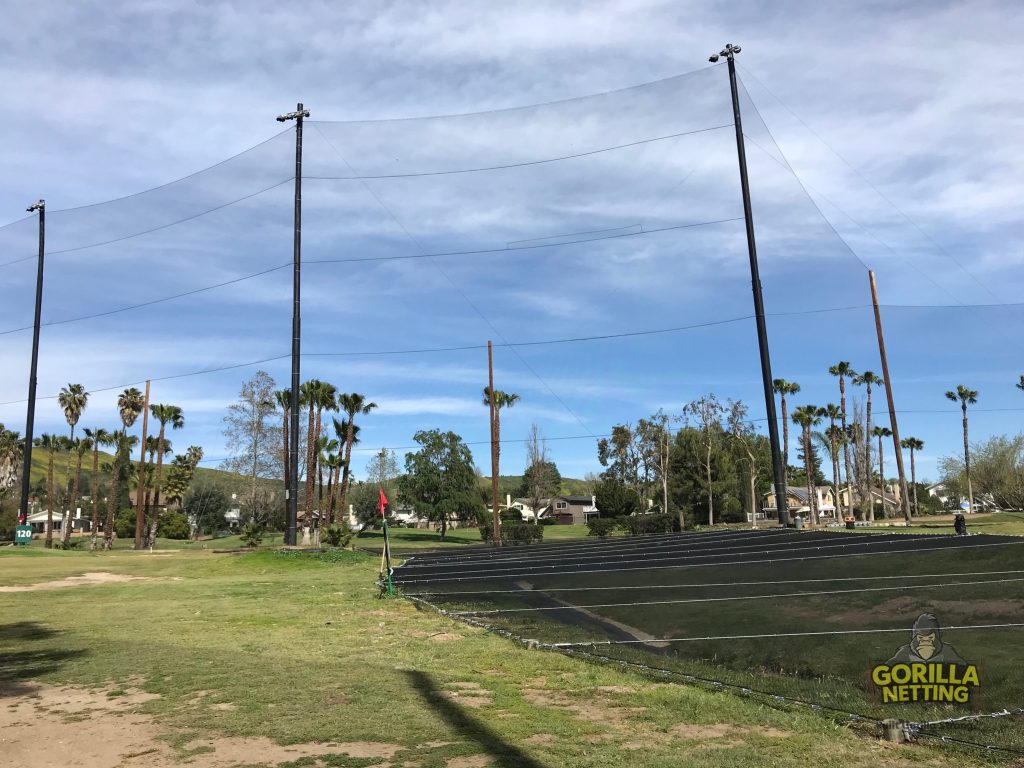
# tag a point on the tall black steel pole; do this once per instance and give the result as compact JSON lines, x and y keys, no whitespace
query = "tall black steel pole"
{"x":290,"y":536}
{"x":30,"y":417}
{"x":778,"y":465}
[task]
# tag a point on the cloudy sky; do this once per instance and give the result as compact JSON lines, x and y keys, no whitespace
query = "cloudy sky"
{"x":880,"y":135}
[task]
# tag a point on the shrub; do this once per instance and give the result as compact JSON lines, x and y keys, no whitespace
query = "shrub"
{"x":251,"y":534}
{"x":638,"y":525}
{"x":515,"y":533}
{"x":337,"y":535}
{"x":511,"y":516}
{"x":601,"y":527}
{"x":173,"y":525}
{"x":548,"y":521}
{"x":124,"y":523}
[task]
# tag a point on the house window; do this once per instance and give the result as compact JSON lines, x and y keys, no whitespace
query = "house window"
{"x":561,"y":505}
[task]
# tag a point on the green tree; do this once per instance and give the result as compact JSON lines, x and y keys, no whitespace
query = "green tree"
{"x":913,"y":445}
{"x":843,"y":371}
{"x":319,"y":396}
{"x":541,"y":478}
{"x":123,"y":445}
{"x":868,"y":380}
{"x":206,"y":507}
{"x":181,"y":473}
{"x":707,"y":413}
{"x":165,"y":414}
{"x":173,"y":525}
{"x":11,"y":447}
{"x":79,"y":447}
{"x":129,"y":405}
{"x":880,"y":433}
{"x":251,"y":435}
{"x":352,"y":404}
{"x":51,"y":444}
{"x":783,"y":388}
{"x":440,"y":479}
{"x":966,"y":397}
{"x":834,"y":438}
{"x":807,"y":416}
{"x":615,"y":500}
{"x":1020,"y":384}
{"x":629,"y":460}
{"x":97,"y":437}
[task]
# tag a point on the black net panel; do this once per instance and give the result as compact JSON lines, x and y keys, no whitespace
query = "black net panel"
{"x":801,"y":615}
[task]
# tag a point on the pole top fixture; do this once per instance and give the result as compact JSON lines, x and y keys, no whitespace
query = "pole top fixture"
{"x":40,"y":206}
{"x":300,"y":112}
{"x":729,"y":52}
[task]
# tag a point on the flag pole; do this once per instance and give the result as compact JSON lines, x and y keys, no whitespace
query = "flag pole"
{"x":385,"y":555}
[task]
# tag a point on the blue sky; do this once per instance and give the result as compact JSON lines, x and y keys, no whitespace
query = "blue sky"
{"x":924,"y":113}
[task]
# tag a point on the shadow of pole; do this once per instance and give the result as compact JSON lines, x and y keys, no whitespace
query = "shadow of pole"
{"x":506,"y":755}
{"x":21,"y":660}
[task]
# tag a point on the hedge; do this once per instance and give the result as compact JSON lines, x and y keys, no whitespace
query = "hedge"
{"x":515,"y":533}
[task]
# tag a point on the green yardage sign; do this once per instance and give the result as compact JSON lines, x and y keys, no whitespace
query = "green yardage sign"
{"x":23,"y":535}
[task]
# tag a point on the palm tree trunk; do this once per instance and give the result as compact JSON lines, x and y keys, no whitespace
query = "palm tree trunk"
{"x":913,"y":477}
{"x":74,"y":497}
{"x":881,"y":475}
{"x":867,"y":461}
{"x":967,"y":464}
{"x":809,"y":471}
{"x":155,"y":516}
{"x":49,"y":501}
{"x":287,"y":463}
{"x":108,"y":528}
{"x":95,"y":490}
{"x":711,"y":502}
{"x":310,"y":468}
{"x":785,"y":437}
{"x":846,"y":444}
{"x":835,"y":475}
{"x":350,"y":438}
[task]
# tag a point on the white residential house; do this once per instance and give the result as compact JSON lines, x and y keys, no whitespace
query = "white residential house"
{"x":798,"y":501}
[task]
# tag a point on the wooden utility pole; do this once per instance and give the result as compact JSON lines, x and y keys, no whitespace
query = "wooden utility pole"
{"x":495,"y":516}
{"x":140,"y":512}
{"x":904,"y":495}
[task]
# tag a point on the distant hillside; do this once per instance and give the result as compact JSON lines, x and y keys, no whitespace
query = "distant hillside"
{"x":511,"y":485}
{"x":227,"y":481}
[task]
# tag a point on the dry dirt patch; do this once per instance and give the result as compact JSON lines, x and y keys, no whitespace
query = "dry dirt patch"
{"x":473,"y":761}
{"x":35,"y":732}
{"x":85,"y":580}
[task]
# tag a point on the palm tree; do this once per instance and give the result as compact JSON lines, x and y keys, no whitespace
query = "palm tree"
{"x":868,"y":379}
{"x":165,"y":414}
{"x":881,"y":432}
{"x":73,"y":398}
{"x":835,"y":438}
{"x":325,"y":447}
{"x":808,"y":416}
{"x":844,"y":370}
{"x":913,"y":444}
{"x":966,"y":397}
{"x":318,"y":396}
{"x":129,"y":405}
{"x":50,"y":444}
{"x":123,"y":445}
{"x":96,"y":438}
{"x":783,"y":388}
{"x":80,"y":448}
{"x":353,"y":404}
{"x":283,"y":400}
{"x":332,"y":461}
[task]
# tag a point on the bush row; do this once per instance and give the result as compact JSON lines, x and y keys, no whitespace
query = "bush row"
{"x":633,"y":525}
{"x":515,"y":533}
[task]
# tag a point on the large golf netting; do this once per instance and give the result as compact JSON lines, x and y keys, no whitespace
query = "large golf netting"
{"x":800,"y":615}
{"x":520,"y":225}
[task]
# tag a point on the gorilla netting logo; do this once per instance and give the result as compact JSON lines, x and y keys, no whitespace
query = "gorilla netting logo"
{"x":926,"y":669}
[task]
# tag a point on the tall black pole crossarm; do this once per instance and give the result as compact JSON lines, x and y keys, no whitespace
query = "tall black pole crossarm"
{"x":290,"y":536}
{"x":30,"y":416}
{"x":778,"y":465}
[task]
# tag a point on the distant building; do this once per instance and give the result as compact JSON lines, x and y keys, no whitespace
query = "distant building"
{"x":573,"y":510}
{"x":798,"y":501}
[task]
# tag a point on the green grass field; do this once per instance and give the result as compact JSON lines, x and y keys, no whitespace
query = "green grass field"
{"x":298,"y":649}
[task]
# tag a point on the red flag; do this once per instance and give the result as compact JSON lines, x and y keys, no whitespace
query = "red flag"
{"x":382,"y":503}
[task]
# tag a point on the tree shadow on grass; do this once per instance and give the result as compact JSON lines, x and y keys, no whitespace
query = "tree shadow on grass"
{"x":506,"y":755}
{"x":21,"y":660}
